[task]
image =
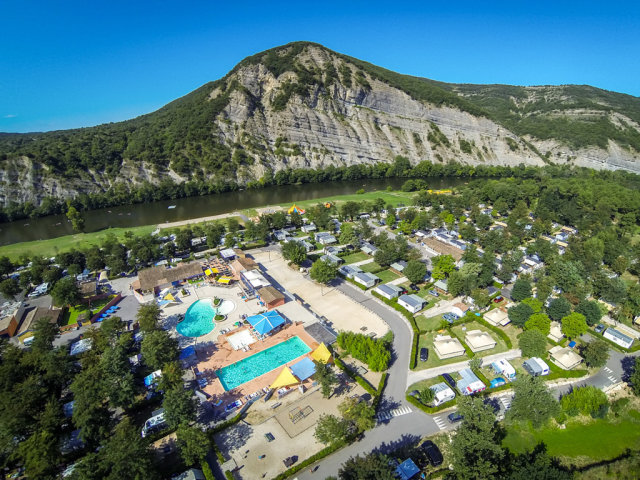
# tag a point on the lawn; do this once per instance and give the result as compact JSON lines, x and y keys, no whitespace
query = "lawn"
{"x":429,"y":323}
{"x":600,"y":439}
{"x":355,"y":257}
{"x":371,"y":267}
{"x":387,"y":276}
{"x":79,"y":241}
{"x":460,"y":331}
{"x":71,"y":314}
{"x":426,"y":341}
{"x":422,"y":384}
{"x":394,"y":197}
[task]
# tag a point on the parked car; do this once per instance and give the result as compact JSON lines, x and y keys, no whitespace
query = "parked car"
{"x":433,"y":453}
{"x":449,"y":379}
{"x":434,"y":293}
{"x":290,"y":461}
{"x":599,"y":328}
{"x":498,"y":299}
{"x":424,"y":354}
{"x":414,"y":287}
{"x":454,"y":417}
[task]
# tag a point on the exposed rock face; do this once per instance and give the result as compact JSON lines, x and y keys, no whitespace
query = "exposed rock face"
{"x":333,"y":113}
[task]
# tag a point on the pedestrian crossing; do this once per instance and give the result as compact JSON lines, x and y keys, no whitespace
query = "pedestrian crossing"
{"x":440,"y":422}
{"x":396,"y":412}
{"x":611,"y":377}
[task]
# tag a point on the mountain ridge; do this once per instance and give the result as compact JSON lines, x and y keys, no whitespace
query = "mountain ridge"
{"x":302,"y":105}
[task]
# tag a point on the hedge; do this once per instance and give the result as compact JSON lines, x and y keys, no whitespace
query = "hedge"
{"x":228,"y":475}
{"x":226,"y":424}
{"x":412,"y":321}
{"x":381,"y":386}
{"x":496,"y":330}
{"x":217,"y":451}
{"x":206,"y":470}
{"x":312,"y":459}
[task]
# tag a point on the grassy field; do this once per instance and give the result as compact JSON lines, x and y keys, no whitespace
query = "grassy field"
{"x":387,"y":276}
{"x":429,"y":323}
{"x":426,"y":341}
{"x":52,"y":246}
{"x":600,"y":439}
{"x":500,"y":347}
{"x":355,"y":257}
{"x":393,"y":197}
{"x":72,"y":313}
{"x":371,"y":267}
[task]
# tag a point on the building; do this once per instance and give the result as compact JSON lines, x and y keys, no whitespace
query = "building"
{"x":470,"y":383}
{"x":81,"y":346}
{"x":555,"y":333}
{"x":253,"y":280}
{"x":156,"y":278}
{"x":407,"y":470}
{"x":310,"y":227}
{"x":441,"y":286}
{"x":447,"y":347}
{"x":497,"y":317}
{"x":618,"y":337}
{"x":31,"y":318}
{"x":271,"y":297}
{"x":10,"y":315}
{"x":388,"y":291}
{"x":332,"y":259}
{"x":536,"y":367}
{"x":399,"y":266}
{"x":565,"y":357}
{"x":504,"y":368}
{"x":412,"y":303}
{"x":228,"y":254}
{"x":369,"y":249}
{"x":243,"y":264}
{"x":349,"y":270}
{"x":325,"y":238}
{"x":281,"y":235}
{"x":365,"y":278}
{"x":479,"y":341}
{"x":442,"y":393}
{"x":460,"y":309}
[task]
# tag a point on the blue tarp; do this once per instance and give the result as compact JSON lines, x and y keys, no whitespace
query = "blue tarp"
{"x":150,"y":380}
{"x":187,"y":352}
{"x":407,"y":470}
{"x":263,"y":323}
{"x":303,"y":369}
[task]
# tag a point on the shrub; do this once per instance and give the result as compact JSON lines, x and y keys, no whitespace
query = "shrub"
{"x":533,"y":343}
{"x":375,"y":353}
{"x":587,"y":400}
{"x":206,"y":470}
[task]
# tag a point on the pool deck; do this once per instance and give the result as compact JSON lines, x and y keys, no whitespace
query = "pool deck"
{"x":223,"y":354}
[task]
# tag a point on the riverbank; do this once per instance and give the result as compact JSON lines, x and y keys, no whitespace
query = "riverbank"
{"x":79,"y":241}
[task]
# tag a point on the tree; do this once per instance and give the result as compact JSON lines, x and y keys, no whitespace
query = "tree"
{"x":426,"y":396}
{"x":179,"y":406}
{"x":279,"y":220}
{"x":480,"y":297}
{"x":323,"y":272}
{"x":369,"y":467}
{"x":193,"y":444}
{"x":535,"y":304}
{"x":77,"y":222}
{"x":359,"y":413}
{"x":117,"y":378}
{"x":475,"y":363}
{"x":475,"y":448}
{"x":445,"y":263}
{"x":331,"y":429}
{"x":127,"y":455}
{"x":533,"y":343}
{"x":596,"y":353}
{"x":588,"y":400}
{"x":44,"y":334}
{"x":532,"y":401}
{"x":558,"y":308}
{"x":296,"y":219}
{"x":40,"y":454}
{"x":90,"y":412}
{"x":325,"y":377}
{"x":65,"y":292}
{"x":590,"y":310}
{"x":634,"y":377}
{"x":537,"y":465}
{"x":158,"y":348}
{"x":6,"y":267}
{"x":539,"y":321}
{"x":519,"y":314}
{"x":148,"y":317}
{"x":348,"y":234}
{"x":574,"y":325}
{"x":415,"y":271}
{"x":9,"y":287}
{"x":294,"y":252}
{"x":521,"y":290}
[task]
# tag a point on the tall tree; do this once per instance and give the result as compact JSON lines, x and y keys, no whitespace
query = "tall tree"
{"x":127,"y":454}
{"x":193,"y":444}
{"x":65,"y":292}
{"x":325,"y":377}
{"x":77,"y":222}
{"x":596,"y":353}
{"x":521,"y":290}
{"x":574,"y":325}
{"x":295,"y":252}
{"x":590,"y":310}
{"x":331,"y":429}
{"x":533,"y":343}
{"x":476,"y":451}
{"x":532,"y":401}
{"x":9,"y":287}
{"x":415,"y":271}
{"x":44,"y":334}
{"x":179,"y":407}
{"x":323,"y":272}
{"x":369,"y":467}
{"x":158,"y":348}
{"x":148,"y":316}
{"x":558,"y":308}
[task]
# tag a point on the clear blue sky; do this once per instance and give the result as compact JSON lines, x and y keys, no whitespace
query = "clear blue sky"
{"x":78,"y":63}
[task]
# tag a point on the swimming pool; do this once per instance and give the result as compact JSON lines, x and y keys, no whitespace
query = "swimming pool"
{"x":198,"y":320}
{"x":262,"y":362}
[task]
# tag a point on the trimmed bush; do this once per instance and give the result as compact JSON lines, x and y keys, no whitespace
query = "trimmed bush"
{"x":206,"y":470}
{"x":375,"y":353}
{"x":312,"y":459}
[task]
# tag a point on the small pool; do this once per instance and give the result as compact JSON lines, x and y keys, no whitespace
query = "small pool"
{"x":198,"y":320}
{"x":262,"y":362}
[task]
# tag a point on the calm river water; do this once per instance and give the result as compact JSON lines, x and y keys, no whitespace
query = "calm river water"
{"x":194,"y":207}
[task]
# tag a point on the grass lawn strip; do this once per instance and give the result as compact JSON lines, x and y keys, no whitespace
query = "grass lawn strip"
{"x":426,"y":341}
{"x":387,"y":276}
{"x":355,"y":257}
{"x":371,"y":267}
{"x":429,"y":324}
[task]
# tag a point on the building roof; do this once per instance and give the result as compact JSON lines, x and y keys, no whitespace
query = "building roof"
{"x":349,"y":269}
{"x":565,"y":357}
{"x":503,"y":366}
{"x":441,"y":387}
{"x":442,"y":285}
{"x":407,"y":470}
{"x":265,"y":322}
{"x":255,"y":279}
{"x":619,"y":335}
{"x":497,"y":317}
{"x":469,"y":383}
{"x":88,"y":289}
{"x":555,"y":332}
{"x":477,"y":339}
{"x":156,"y":276}
{"x":303,"y":369}
{"x":269,"y":294}
{"x":227,"y":253}
{"x":446,"y":345}
{"x":320,"y":333}
{"x":366,"y":277}
{"x":331,"y":259}
{"x":321,"y":354}
{"x":240,"y":264}
{"x":463,"y":307}
{"x":412,"y":300}
{"x":536,"y":364}
{"x":33,"y":315}
{"x":399,"y":266}
{"x":389,"y":289}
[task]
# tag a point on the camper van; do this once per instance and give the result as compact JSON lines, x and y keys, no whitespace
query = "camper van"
{"x":155,"y":423}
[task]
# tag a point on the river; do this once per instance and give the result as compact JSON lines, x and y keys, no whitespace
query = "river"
{"x":194,"y":207}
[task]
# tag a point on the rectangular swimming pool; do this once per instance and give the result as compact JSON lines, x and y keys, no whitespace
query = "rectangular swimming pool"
{"x":262,"y":362}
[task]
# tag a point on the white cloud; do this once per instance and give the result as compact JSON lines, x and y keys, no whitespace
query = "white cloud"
{"x":11,"y":115}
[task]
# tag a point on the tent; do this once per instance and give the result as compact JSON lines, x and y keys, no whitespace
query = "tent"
{"x":303,"y":369}
{"x":263,"y":323}
{"x":224,"y":280}
{"x":170,"y":297}
{"x":103,"y":277}
{"x":285,"y":379}
{"x":321,"y":354}
{"x":297,"y":209}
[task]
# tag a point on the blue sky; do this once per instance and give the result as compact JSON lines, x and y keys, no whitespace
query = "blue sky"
{"x":72,"y":64}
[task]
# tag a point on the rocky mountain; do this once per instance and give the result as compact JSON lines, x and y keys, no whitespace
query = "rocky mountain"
{"x":304,"y":106}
